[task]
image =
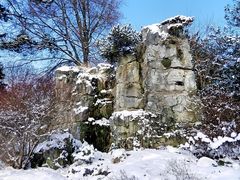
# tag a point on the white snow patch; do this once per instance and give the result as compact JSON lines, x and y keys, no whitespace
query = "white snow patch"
{"x":103,"y":101}
{"x":118,"y":153}
{"x":206,"y":162}
{"x":155,"y":28}
{"x":133,"y":114}
{"x":233,"y":134}
{"x":104,"y":66}
{"x":102,"y":122}
{"x":68,"y":68}
{"x":203,"y":137}
{"x":147,"y":164}
{"x":36,"y":174}
{"x":80,"y":109}
{"x":217,"y":142}
{"x":56,"y":140}
{"x":179,"y":19}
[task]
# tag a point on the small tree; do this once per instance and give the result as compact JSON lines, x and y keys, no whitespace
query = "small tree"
{"x":122,"y":40}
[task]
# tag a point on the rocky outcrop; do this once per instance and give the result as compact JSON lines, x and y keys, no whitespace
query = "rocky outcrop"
{"x":153,"y":92}
{"x":85,"y":101}
{"x":167,"y":70}
{"x":161,"y":82}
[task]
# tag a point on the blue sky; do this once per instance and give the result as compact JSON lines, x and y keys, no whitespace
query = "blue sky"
{"x":145,"y":12}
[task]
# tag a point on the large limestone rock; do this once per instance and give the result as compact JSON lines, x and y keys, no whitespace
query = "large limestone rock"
{"x":169,"y":80}
{"x":152,"y":93}
{"x":161,"y":82}
{"x":163,"y":78}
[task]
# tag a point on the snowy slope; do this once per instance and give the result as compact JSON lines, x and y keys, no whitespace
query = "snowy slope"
{"x":149,"y":164}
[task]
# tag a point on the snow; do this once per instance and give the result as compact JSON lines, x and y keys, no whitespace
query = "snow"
{"x":145,"y":164}
{"x":56,"y":140}
{"x":36,"y":174}
{"x":104,"y":66}
{"x":152,"y":164}
{"x":68,"y":68}
{"x":233,"y":134}
{"x":203,"y":137}
{"x":155,"y":29}
{"x":179,"y":19}
{"x":162,"y":28}
{"x":118,"y":153}
{"x":103,"y":101}
{"x":80,"y":109}
{"x":102,"y":122}
{"x":220,"y":140}
{"x":217,"y":142}
{"x":133,"y":114}
{"x":206,"y":162}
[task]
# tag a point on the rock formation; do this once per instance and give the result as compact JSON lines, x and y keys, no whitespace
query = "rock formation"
{"x":86,"y":102}
{"x":153,"y":92}
{"x":161,"y":82}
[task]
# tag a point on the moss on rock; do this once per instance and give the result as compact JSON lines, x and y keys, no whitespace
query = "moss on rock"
{"x":166,"y":62}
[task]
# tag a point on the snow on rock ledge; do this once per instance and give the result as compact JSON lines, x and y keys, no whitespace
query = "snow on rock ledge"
{"x":172,"y":26}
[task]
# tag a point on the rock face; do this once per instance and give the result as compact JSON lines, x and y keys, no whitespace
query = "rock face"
{"x":85,"y":101}
{"x":161,"y":82}
{"x":129,"y":94}
{"x":167,"y":70}
{"x":152,"y":93}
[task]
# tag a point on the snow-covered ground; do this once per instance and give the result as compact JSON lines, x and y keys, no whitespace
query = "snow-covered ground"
{"x":148,"y":164}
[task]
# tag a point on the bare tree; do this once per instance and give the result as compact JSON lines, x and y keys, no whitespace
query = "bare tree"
{"x":26,"y":111}
{"x":67,"y":26}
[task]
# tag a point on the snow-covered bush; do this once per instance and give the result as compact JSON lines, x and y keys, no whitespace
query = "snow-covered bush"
{"x":84,"y":154}
{"x":123,"y":176}
{"x":121,"y":41}
{"x":218,"y":147}
{"x":179,"y":170}
{"x":56,"y":152}
{"x":217,"y":68}
{"x":26,"y":111}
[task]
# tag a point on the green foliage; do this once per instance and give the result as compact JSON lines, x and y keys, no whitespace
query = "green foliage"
{"x":121,"y":41}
